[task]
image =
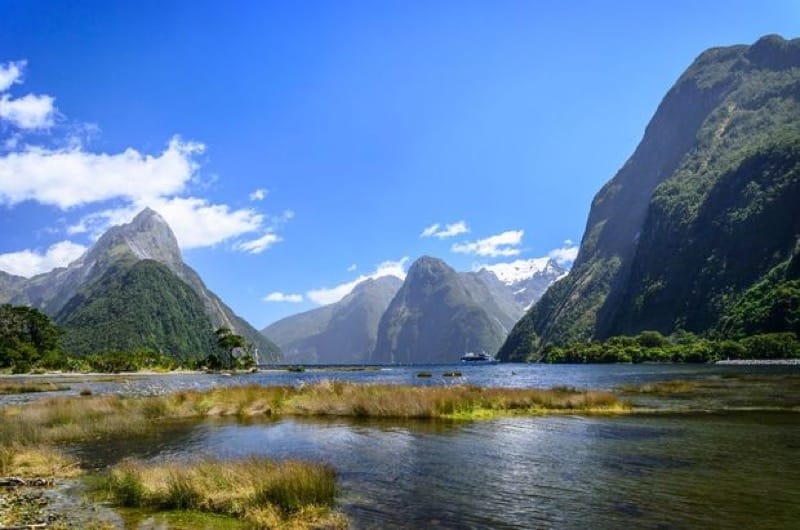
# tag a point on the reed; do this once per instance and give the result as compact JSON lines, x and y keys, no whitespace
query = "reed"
{"x":262,"y":492}
{"x":74,"y":419}
{"x":677,"y":386}
{"x":34,"y":462}
{"x":29,"y":387}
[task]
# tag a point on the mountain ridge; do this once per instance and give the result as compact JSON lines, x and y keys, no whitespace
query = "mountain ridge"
{"x":342,"y":332}
{"x":147,"y":237}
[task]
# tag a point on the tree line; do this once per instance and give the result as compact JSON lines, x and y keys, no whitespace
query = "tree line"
{"x":30,"y":341}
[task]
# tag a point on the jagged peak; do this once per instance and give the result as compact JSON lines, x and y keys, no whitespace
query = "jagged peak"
{"x":369,"y":283}
{"x":523,"y":269}
{"x":147,"y":235}
{"x":148,"y":214}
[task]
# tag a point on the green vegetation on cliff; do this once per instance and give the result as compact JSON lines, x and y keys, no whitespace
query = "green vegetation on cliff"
{"x":652,"y":346}
{"x":138,"y":305}
{"x":686,"y":233}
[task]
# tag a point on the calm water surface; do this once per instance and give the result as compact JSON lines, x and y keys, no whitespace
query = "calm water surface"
{"x":593,"y":376}
{"x":686,"y":470}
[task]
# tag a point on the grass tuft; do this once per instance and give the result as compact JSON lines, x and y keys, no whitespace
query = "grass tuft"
{"x":29,"y":387}
{"x":262,"y":492}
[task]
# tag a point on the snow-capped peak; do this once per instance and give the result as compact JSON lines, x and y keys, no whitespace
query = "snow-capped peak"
{"x":519,"y":270}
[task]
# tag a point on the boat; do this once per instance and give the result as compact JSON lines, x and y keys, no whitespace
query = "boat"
{"x":472,"y":357}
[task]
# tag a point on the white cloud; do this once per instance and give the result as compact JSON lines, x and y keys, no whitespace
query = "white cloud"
{"x":10,"y":73}
{"x":565,"y":255}
{"x":450,"y":230}
{"x":29,"y":262}
{"x":352,"y":267}
{"x":28,"y":112}
{"x":330,"y":295}
{"x":31,"y":111}
{"x":256,"y":246}
{"x":258,"y":195}
{"x":278,"y":296}
{"x":428,"y":232}
{"x":195,"y":221}
{"x":73,"y":177}
{"x":504,"y":244}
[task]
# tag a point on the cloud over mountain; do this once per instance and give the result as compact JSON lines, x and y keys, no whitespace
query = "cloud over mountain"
{"x":61,"y":171}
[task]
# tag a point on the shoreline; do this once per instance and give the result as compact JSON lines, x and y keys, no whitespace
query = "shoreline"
{"x":758,"y":362}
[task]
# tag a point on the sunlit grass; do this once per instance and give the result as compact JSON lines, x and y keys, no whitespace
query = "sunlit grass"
{"x":36,"y":462}
{"x":677,"y":386}
{"x":29,"y":387}
{"x":262,"y":492}
{"x":75,"y":419}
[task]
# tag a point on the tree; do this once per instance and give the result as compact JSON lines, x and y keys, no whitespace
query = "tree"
{"x":227,"y":342}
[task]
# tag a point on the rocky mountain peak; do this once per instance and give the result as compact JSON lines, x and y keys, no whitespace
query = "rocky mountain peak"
{"x":773,"y":52}
{"x":147,"y":236}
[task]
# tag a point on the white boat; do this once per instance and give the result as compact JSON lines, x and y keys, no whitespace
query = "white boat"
{"x":472,"y":357}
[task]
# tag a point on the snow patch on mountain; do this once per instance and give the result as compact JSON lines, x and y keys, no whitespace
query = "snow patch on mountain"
{"x":519,"y":270}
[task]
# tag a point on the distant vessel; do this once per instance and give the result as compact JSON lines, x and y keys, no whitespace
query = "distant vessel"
{"x":472,"y":357}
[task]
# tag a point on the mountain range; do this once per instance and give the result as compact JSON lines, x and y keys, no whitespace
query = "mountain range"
{"x":701,"y":221}
{"x":435,"y":315}
{"x":343,"y":332}
{"x":131,"y":289}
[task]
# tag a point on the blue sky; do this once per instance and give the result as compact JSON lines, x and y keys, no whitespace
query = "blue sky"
{"x":298,"y":146}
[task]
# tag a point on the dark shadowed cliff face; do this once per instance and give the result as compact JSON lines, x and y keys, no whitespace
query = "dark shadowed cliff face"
{"x":701,"y":211}
{"x":344,"y":332}
{"x":437,"y":315}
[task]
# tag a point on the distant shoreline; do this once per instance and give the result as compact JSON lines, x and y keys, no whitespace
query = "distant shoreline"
{"x":756,"y":362}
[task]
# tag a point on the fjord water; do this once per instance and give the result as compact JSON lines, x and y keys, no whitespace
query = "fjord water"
{"x":663,"y":470}
{"x":591,"y":376}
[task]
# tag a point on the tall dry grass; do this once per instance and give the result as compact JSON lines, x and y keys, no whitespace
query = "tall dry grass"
{"x":29,"y":387}
{"x":71,"y":419}
{"x":265,"y":493}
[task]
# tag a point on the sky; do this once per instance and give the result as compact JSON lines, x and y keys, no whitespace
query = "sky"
{"x":297,"y":148}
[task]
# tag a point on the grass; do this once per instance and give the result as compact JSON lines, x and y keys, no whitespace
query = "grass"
{"x":677,"y":386}
{"x":262,"y":492}
{"x":265,"y":494}
{"x":35,"y":462}
{"x":28,"y":387}
{"x":74,"y":419}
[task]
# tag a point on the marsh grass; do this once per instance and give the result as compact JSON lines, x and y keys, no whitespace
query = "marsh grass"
{"x":36,"y":462}
{"x":74,"y":419}
{"x":677,"y":386}
{"x":334,"y":398}
{"x":262,"y":492}
{"x":29,"y":387}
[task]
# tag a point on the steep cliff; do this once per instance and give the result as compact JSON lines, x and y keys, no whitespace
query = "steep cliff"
{"x":703,"y":209}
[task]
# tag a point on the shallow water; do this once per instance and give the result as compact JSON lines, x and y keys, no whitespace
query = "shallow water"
{"x":674,"y":471}
{"x":667,"y":470}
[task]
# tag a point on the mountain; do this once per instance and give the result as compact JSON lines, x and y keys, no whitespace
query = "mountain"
{"x":438,"y":314}
{"x":702,"y":212}
{"x":528,"y":279}
{"x":137,"y":304}
{"x":340,"y":333}
{"x":75,"y":294}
